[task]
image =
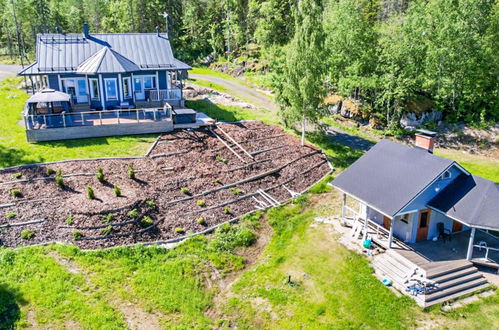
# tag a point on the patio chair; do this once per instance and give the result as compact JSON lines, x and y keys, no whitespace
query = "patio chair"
{"x":443,"y":233}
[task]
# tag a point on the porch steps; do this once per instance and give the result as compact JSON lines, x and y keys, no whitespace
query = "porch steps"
{"x":394,"y":267}
{"x":455,"y":279}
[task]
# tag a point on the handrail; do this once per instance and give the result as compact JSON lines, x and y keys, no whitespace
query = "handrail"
{"x":157,"y":109}
{"x":487,"y":248}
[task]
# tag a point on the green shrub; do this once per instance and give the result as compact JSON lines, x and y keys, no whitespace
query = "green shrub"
{"x":226,"y":210}
{"x":27,"y":234}
{"x":185,"y":191}
{"x":151,"y":205}
{"x":133,"y":214}
{"x":10,"y":215}
{"x":221,"y":159}
{"x":201,"y":203}
{"x":100,"y":174}
{"x":117,"y":191}
{"x":236,"y":191}
{"x":17,"y":175}
{"x":107,"y":231}
{"x":108,"y":218}
{"x":69,"y":220}
{"x":228,"y":237}
{"x":77,"y":235}
{"x":218,"y":180}
{"x":16,"y":193}
{"x":60,"y":181}
{"x":58,"y":172}
{"x":179,"y":230}
{"x":146,"y":222}
{"x":201,"y":221}
{"x":131,"y":172}
{"x":50,"y":171}
{"x":90,"y":193}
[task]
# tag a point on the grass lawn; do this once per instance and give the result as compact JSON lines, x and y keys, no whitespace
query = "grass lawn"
{"x":15,"y":150}
{"x":483,"y":166}
{"x":208,"y":84}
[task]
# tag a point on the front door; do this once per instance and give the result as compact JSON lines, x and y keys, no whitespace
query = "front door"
{"x":423,"y":225}
{"x":138,"y":88}
{"x":457,"y":226}
{"x":81,"y":91}
{"x":386,"y":222}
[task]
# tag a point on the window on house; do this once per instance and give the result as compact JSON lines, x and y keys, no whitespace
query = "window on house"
{"x":94,"y":89}
{"x":111,"y":89}
{"x":127,"y":88}
{"x":149,"y":82}
{"x":446,"y":175}
{"x":405,"y":217}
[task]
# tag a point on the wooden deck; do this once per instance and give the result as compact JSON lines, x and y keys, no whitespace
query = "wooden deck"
{"x":430,"y":255}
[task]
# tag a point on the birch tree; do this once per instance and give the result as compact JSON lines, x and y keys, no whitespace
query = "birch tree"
{"x":300,"y":90}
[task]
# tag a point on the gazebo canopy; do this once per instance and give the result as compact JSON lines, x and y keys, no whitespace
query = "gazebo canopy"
{"x":48,"y":95}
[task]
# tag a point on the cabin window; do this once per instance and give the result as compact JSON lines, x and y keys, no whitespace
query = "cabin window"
{"x":149,"y":82}
{"x":446,"y":175}
{"x":111,"y":88}
{"x":127,"y":88}
{"x":94,"y":89}
{"x":405,"y":217}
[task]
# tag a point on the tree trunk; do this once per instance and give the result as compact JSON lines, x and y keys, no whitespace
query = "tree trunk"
{"x":303,"y":132}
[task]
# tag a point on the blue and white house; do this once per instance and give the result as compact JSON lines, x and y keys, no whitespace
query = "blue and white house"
{"x":433,"y":221}
{"x":89,"y":85}
{"x":108,"y":70}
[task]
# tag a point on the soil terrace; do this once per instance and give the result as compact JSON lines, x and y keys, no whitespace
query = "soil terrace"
{"x":197,"y":160}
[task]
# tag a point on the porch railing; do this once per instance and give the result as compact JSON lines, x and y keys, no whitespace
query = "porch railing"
{"x":487,"y":249}
{"x":165,"y":94}
{"x":96,"y":118}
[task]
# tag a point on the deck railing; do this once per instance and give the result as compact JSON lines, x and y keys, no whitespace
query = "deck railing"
{"x":165,"y":94}
{"x":96,"y":118}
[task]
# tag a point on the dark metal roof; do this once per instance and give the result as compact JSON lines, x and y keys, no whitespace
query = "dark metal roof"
{"x":470,"y":199}
{"x":106,"y":60}
{"x":390,"y":175}
{"x":64,"y":53}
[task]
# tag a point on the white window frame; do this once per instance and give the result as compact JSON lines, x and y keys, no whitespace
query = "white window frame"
{"x":153,"y":80}
{"x":92,"y":94}
{"x":105,"y":88}
{"x":129,"y":89}
{"x":446,"y":175}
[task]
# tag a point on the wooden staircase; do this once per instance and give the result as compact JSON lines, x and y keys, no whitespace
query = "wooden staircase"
{"x":453,"y":279}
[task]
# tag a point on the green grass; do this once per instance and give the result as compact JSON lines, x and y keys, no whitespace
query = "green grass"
{"x":15,"y":150}
{"x":232,"y":113}
{"x":209,"y":84}
{"x":209,"y":72}
{"x":486,"y":167}
{"x":57,"y":284}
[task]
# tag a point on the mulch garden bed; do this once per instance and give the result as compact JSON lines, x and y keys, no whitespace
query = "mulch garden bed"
{"x":188,"y":175}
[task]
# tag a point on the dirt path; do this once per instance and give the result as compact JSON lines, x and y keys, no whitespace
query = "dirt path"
{"x":8,"y":70}
{"x":241,"y":91}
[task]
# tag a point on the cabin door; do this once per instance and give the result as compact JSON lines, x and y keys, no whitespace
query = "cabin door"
{"x":423,"y":225}
{"x":138,"y":88}
{"x":386,"y":222}
{"x":457,"y":226}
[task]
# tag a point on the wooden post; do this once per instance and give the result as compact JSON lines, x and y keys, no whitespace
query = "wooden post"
{"x":366,"y":228}
{"x":118,"y":114}
{"x":64,"y":120}
{"x":82,"y":119}
{"x":390,"y":236}
{"x":303,"y":131}
{"x":343,"y":208}
{"x":469,"y":255}
{"x":137,"y":113}
{"x":100,"y":117}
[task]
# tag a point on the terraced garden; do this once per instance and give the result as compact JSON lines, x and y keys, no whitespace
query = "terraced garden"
{"x":190,"y":182}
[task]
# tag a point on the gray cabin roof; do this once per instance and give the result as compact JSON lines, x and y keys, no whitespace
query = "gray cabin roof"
{"x":127,"y":52}
{"x":390,"y":175}
{"x":470,"y":199}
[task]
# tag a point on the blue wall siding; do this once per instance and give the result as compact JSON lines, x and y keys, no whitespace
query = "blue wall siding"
{"x":420,"y":204}
{"x":162,"y":79}
{"x":53,"y":81}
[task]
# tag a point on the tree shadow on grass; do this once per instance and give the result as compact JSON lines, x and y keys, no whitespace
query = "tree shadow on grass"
{"x":10,"y":311}
{"x":341,"y":156}
{"x":212,"y":110}
{"x":12,"y":157}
